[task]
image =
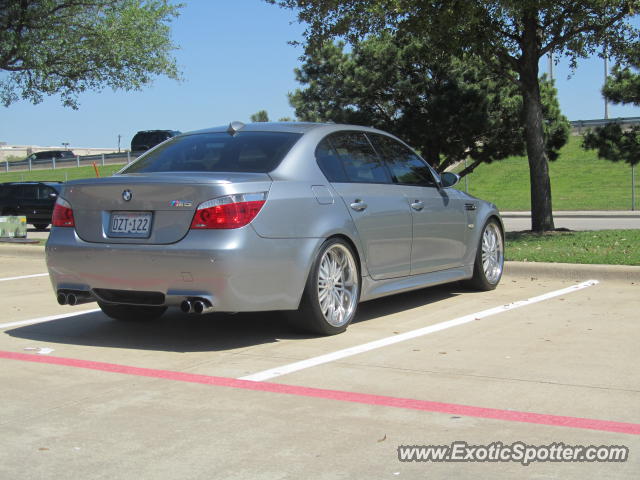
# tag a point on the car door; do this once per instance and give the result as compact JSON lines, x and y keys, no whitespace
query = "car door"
{"x":45,"y":202}
{"x":438,"y":214}
{"x":26,"y":200}
{"x":378,"y":208}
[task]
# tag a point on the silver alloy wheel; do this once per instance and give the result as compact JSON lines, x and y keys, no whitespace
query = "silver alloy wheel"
{"x":337,"y":285}
{"x":492,"y":253}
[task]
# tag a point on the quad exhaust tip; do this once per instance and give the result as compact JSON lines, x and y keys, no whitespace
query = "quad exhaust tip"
{"x":74,"y":298}
{"x":196,"y":305}
{"x":186,"y":306}
{"x":62,"y":298}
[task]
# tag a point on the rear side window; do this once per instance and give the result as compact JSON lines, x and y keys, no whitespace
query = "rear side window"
{"x":330,"y":163}
{"x":28,"y":192}
{"x":359,"y":161}
{"x":405,"y":166}
{"x":258,"y":152}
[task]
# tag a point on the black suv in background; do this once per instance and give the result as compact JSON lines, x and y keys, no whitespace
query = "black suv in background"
{"x":34,"y":200}
{"x":147,"y":139}
{"x":49,"y":154}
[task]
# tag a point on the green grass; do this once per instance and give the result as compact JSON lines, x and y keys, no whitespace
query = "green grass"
{"x":612,"y":247}
{"x":61,"y":174}
{"x":579,"y":181}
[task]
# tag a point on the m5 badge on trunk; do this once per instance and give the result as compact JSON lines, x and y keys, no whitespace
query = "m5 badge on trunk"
{"x":181,"y":203}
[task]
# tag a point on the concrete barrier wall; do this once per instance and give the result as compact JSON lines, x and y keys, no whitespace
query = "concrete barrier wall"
{"x":13,"y":227}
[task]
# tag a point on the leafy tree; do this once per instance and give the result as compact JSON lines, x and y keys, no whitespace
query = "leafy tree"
{"x":612,"y":142}
{"x":260,"y":116}
{"x":65,"y":47}
{"x":623,"y":85}
{"x":510,"y":36}
{"x":448,"y":109}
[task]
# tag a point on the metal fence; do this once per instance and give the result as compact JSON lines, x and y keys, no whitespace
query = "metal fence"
{"x":579,"y":127}
{"x":29,"y":165}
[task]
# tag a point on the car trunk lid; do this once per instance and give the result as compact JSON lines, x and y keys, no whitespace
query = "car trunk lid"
{"x":149,"y":208}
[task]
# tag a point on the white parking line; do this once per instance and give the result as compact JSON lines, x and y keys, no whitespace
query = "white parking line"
{"x":365,"y":347}
{"x":45,"y":319}
{"x":24,"y":276}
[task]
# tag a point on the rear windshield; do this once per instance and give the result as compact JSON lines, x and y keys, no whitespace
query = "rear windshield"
{"x":258,"y":152}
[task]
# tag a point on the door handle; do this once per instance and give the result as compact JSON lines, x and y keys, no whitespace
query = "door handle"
{"x":358,"y":205}
{"x":417,"y":205}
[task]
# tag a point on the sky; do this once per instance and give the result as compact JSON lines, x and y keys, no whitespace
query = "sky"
{"x":235,"y":60}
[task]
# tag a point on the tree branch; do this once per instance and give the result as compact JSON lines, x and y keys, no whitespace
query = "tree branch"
{"x":561,"y":40}
{"x":469,"y":169}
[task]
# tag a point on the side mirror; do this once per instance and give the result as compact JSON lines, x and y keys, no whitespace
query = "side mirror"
{"x":449,"y":179}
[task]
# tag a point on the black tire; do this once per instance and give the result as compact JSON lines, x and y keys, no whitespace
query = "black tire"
{"x":131,"y":313}
{"x":488,"y":278}
{"x":41,"y":226}
{"x":342,"y":290}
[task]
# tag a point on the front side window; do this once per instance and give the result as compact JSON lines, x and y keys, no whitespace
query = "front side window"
{"x":406,"y":167}
{"x":359,"y":160}
{"x":258,"y":152}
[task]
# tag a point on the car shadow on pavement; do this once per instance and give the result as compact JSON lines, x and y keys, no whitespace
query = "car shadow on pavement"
{"x":177,"y":332}
{"x":381,"y":307}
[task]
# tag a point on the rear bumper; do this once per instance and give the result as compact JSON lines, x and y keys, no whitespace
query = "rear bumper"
{"x":236,"y":270}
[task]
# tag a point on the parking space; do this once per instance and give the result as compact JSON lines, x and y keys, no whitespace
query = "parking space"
{"x":562,"y":369}
{"x":14,"y":268}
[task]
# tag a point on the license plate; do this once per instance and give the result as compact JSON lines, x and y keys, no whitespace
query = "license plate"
{"x":130,"y":224}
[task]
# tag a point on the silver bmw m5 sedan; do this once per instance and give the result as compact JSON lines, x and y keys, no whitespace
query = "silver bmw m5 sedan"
{"x":302,"y":217}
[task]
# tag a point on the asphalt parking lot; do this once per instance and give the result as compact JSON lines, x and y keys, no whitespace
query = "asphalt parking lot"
{"x":540,"y":360}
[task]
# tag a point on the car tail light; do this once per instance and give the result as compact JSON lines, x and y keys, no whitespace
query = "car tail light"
{"x":231,"y":211}
{"x":62,"y":214}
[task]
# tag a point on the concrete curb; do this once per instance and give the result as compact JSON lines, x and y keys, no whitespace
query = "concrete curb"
{"x":574,"y":271}
{"x":580,"y":214}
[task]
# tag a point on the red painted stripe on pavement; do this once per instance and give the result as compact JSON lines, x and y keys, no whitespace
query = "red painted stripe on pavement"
{"x":363,"y":398}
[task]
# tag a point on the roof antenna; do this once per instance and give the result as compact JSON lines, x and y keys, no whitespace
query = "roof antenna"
{"x":235,"y":127}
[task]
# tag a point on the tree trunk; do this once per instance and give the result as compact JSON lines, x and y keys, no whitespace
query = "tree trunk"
{"x":541,"y":211}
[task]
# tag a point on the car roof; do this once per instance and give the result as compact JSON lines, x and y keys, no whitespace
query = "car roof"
{"x":291,"y":127}
{"x":52,"y":183}
{"x":156,"y":131}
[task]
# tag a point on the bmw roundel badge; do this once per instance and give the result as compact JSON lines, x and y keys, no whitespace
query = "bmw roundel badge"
{"x":127,"y":195}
